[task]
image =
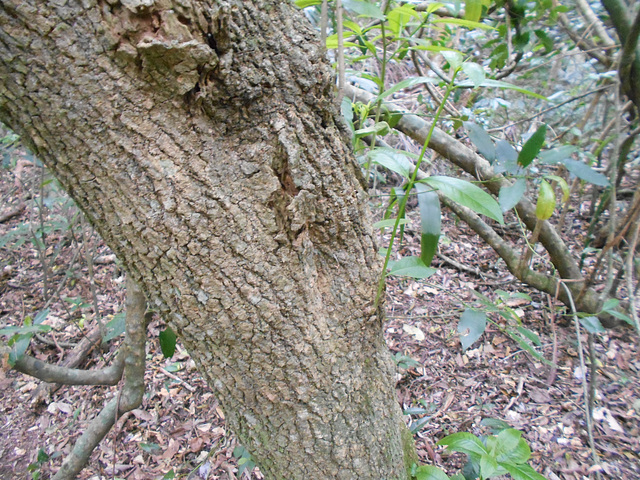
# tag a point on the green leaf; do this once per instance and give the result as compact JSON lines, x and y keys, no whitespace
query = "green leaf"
{"x":525,"y":345}
{"x":562,"y":183}
{"x":473,"y":10}
{"x":170,"y":475}
{"x":30,"y":330}
{"x":363,"y":9}
{"x":546,"y":203}
{"x":410,"y":267}
{"x":332,"y":42}
{"x":19,"y":344}
{"x":531,"y":335}
{"x":429,"y":472}
{"x":475,"y":72}
{"x":532,"y":147}
{"x":168,"y":342}
{"x":481,"y":140}
{"x":557,"y":155}
{"x":592,"y":324}
{"x":149,"y":447}
{"x":307,"y":3}
{"x":610,"y":304}
{"x":621,"y":316}
{"x":468,"y":195}
{"x":496,"y":425}
{"x":429,"y":205}
{"x":414,"y":410}
{"x":499,"y":84}
{"x":489,"y":466}
{"x":41,"y":316}
{"x":115,"y":327}
{"x":507,"y":441}
{"x":463,"y":23}
{"x":389,"y":223}
{"x":546,"y":41}
{"x":471,"y":326}
{"x":454,"y":59}
{"x":416,"y":426}
{"x":380,"y":128}
{"x":346,"y":108}
{"x":511,"y":195}
{"x":409,"y":82}
{"x":521,"y":472}
{"x":506,"y":158}
{"x":392,"y":160}
{"x":464,"y":442}
{"x":586,"y":173}
{"x":400,"y":16}
{"x":517,"y":455}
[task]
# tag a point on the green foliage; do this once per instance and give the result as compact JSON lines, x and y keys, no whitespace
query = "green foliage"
{"x":429,"y":205}
{"x":532,"y":147}
{"x":471,"y":327}
{"x":404,"y":361}
{"x":473,"y":323}
{"x":546,"y":203}
{"x":410,"y":267}
{"x":115,"y":327}
{"x":245,"y":461}
{"x":468,"y":195}
{"x":42,"y":459}
{"x":492,"y":456}
{"x":167,"y":339}
{"x":504,"y":453}
{"x":20,"y":337}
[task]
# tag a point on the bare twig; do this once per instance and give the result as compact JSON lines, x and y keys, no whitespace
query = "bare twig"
{"x":588,"y":419}
{"x":341,"y":68}
{"x":12,"y":212}
{"x":542,"y":112}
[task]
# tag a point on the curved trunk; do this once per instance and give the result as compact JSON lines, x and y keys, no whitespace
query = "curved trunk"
{"x":201,"y":140}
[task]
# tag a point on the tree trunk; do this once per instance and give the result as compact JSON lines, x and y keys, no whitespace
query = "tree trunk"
{"x":202,"y":140}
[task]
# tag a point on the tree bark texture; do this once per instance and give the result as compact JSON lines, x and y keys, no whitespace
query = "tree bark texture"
{"x":202,"y":141}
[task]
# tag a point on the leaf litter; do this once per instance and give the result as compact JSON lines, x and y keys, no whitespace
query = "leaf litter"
{"x":180,"y":426}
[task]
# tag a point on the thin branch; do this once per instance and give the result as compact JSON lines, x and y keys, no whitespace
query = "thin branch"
{"x":462,"y":156}
{"x":71,"y":376}
{"x":341,"y":69}
{"x":592,"y":18}
{"x":572,"y":99}
{"x":129,"y":398}
{"x":588,"y":419}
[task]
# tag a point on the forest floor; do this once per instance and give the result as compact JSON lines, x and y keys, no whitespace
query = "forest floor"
{"x":180,"y":427}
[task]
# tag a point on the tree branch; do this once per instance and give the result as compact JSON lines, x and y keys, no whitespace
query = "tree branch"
{"x":71,"y":376}
{"x":417,"y":128}
{"x":472,"y":163}
{"x":129,"y":398}
{"x":628,"y":33}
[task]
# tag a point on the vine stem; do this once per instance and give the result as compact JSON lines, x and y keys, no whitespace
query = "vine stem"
{"x":403,"y":202}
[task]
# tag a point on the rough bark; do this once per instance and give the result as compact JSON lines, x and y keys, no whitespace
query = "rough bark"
{"x":201,"y":140}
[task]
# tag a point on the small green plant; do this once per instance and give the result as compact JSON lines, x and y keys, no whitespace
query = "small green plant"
{"x":35,"y":468}
{"x":404,"y":361}
{"x":245,"y":461}
{"x":506,"y":453}
{"x":473,"y":323}
{"x":418,"y":423}
{"x":20,"y":337}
